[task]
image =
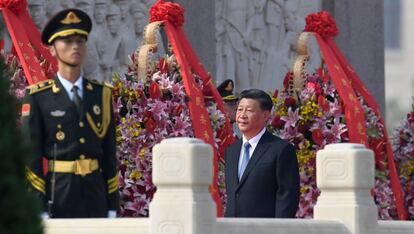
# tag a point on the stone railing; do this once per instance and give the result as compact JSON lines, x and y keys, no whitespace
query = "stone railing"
{"x":182,"y":204}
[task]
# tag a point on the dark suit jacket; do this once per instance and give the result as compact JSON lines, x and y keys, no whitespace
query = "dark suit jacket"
{"x":269,"y":186}
{"x":51,"y":118}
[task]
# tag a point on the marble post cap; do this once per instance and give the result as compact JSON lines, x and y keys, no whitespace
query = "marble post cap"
{"x":344,"y":146}
{"x":182,"y":140}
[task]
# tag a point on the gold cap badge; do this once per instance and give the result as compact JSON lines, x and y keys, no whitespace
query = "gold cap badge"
{"x":71,"y":18}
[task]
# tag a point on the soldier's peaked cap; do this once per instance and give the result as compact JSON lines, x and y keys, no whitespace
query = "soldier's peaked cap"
{"x":65,"y":23}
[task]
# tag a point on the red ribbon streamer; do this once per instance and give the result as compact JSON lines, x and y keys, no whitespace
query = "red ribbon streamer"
{"x":369,"y":99}
{"x":199,"y":115}
{"x":346,"y":81}
{"x":28,"y":49}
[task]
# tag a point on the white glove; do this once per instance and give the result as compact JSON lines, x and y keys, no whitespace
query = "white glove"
{"x":111,"y":214}
{"x":44,"y":215}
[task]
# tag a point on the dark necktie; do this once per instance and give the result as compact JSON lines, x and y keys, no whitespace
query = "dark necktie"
{"x":245,"y":159}
{"x":76,"y":99}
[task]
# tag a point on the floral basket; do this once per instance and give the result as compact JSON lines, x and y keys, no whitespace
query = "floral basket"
{"x":332,"y":106}
{"x":403,"y":146}
{"x":171,"y":96}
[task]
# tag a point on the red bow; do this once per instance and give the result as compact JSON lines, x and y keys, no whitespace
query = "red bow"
{"x":167,"y":11}
{"x":321,"y":23}
{"x":13,"y":5}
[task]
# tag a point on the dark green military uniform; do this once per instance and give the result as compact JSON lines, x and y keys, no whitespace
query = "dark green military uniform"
{"x":86,"y":178}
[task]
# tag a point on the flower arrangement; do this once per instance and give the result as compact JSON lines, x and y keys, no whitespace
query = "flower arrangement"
{"x":148,"y":111}
{"x":314,"y":117}
{"x":403,"y":147}
{"x":18,"y":80}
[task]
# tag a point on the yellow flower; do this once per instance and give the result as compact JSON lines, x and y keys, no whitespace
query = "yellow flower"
{"x":309,"y":110}
{"x":141,"y":153}
{"x":407,"y":169}
{"x":135,"y":175}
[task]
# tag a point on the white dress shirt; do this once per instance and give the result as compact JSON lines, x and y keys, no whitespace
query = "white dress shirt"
{"x":253,"y":143}
{"x":68,"y":86}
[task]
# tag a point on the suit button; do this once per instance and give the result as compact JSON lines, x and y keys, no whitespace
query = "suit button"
{"x":81,"y":124}
{"x":82,"y":140}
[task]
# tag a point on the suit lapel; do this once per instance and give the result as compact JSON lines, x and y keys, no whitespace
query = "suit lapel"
{"x":62,"y":96}
{"x":260,"y":149}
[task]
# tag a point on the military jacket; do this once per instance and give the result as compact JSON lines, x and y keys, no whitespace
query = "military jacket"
{"x":59,"y":132}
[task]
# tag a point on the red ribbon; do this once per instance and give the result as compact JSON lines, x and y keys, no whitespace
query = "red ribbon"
{"x":346,"y":81}
{"x":173,"y":17}
{"x":28,"y":49}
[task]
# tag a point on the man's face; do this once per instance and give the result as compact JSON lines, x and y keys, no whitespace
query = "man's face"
{"x":250,"y":118}
{"x":70,"y":49}
{"x":99,"y":13}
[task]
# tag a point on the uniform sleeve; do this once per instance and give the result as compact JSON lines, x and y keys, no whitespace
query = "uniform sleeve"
{"x":287,"y":174}
{"x":109,"y":166}
{"x":32,"y":128}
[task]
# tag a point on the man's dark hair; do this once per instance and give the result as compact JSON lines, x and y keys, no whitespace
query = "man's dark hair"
{"x":264,"y":99}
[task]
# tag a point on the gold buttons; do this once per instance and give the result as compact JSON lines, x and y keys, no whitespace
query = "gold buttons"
{"x":60,"y":136}
{"x":59,"y":126}
{"x":82,"y":156}
{"x":81,"y":124}
{"x":98,"y":124}
{"x":82,"y":140}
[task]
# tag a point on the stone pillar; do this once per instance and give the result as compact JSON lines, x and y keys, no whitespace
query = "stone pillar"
{"x":199,"y":26}
{"x":182,"y":172}
{"x":345,"y":175}
{"x":361,"y":38}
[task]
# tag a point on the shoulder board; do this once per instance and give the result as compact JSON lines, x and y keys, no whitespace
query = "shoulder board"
{"x":38,"y":87}
{"x":109,"y":85}
{"x":106,"y":84}
{"x":95,"y":82}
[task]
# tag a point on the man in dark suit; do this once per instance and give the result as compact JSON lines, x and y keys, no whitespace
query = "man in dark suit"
{"x":70,"y":122}
{"x":262,"y":178}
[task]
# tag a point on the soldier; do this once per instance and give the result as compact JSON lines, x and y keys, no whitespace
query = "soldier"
{"x":70,"y":122}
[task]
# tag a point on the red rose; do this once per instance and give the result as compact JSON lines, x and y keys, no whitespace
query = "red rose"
{"x":149,"y":124}
{"x":344,"y":136}
{"x":163,"y":66}
{"x":276,"y":93}
{"x":277,"y":122}
{"x":410,"y":117}
{"x":317,"y":136}
{"x":323,"y":103}
{"x":177,"y":110}
{"x":290,"y":102}
{"x":154,"y":90}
